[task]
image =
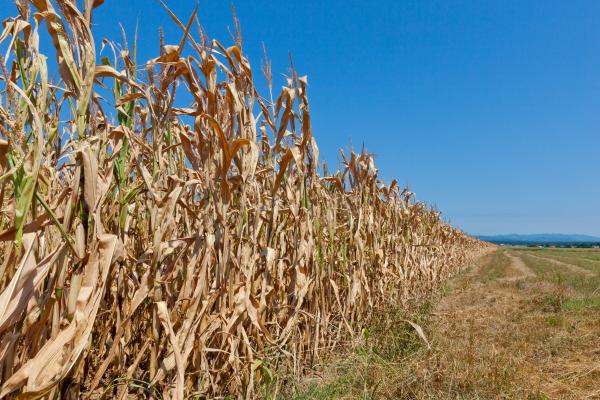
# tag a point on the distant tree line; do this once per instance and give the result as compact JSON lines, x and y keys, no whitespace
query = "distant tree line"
{"x":578,"y":245}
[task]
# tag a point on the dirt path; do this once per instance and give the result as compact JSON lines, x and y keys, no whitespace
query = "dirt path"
{"x":520,"y":270}
{"x":571,"y":267}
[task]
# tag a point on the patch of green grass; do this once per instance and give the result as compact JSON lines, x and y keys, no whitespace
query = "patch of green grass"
{"x":495,"y":267}
{"x":582,"y":304}
{"x":554,"y":320}
{"x":387,"y":342}
{"x":319,"y":391}
{"x":585,"y":258}
{"x":550,"y":272}
{"x":549,"y":302}
{"x":445,"y":289}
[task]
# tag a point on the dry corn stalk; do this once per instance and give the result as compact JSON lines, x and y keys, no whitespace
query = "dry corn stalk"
{"x":155,"y":248}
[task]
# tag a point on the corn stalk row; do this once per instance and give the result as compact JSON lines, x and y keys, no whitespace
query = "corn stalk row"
{"x":158,"y":247}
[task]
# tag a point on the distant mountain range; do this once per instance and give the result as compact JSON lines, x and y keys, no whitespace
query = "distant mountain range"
{"x":540,"y":238}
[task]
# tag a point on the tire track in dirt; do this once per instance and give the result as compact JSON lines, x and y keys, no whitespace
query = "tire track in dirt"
{"x":521,"y":271}
{"x":571,"y":267}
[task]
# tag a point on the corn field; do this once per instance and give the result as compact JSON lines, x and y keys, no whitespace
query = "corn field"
{"x":151,"y":247}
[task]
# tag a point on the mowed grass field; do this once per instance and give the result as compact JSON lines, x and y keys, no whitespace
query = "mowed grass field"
{"x":520,"y":324}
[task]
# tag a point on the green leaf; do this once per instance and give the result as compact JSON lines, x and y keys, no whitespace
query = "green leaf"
{"x":26,"y":188}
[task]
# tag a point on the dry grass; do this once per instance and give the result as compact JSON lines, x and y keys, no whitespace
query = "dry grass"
{"x":492,"y":337}
{"x":155,"y":248}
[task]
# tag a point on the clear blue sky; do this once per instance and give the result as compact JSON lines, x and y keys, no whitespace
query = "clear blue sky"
{"x":489,"y":110}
